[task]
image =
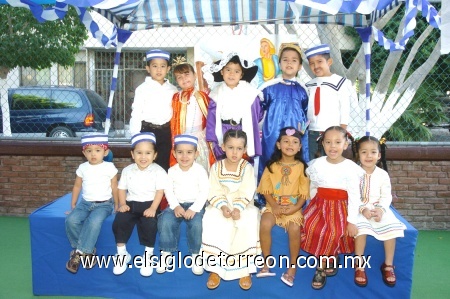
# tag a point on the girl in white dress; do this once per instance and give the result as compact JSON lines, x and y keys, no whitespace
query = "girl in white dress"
{"x":230,"y":238}
{"x":375,"y":217}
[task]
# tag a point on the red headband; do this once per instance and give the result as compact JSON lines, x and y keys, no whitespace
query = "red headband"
{"x":103,"y":146}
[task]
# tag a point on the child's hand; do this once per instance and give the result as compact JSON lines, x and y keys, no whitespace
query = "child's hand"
{"x":179,"y":212}
{"x":277,"y":210}
{"x":189,"y":214}
{"x":226,"y":211}
{"x":236,"y":214}
{"x":376,"y":214}
{"x":352,"y":230}
{"x":289,"y":210}
{"x":367,"y":213}
{"x":123,"y":209}
{"x":150,"y":212}
{"x":68,"y":212}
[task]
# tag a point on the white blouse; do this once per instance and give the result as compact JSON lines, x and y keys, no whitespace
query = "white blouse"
{"x":345,"y":175}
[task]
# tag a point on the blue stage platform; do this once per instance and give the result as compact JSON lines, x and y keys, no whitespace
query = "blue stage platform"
{"x":50,"y":252}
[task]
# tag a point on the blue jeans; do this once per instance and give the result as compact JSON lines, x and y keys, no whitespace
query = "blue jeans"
{"x":84,"y":223}
{"x":169,"y":230}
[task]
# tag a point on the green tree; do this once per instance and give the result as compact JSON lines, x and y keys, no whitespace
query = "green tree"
{"x":24,"y":42}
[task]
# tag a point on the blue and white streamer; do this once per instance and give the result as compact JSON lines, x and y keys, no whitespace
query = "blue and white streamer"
{"x":333,"y":7}
{"x":42,"y":14}
{"x":120,"y":8}
{"x":375,"y":6}
{"x":412,"y":7}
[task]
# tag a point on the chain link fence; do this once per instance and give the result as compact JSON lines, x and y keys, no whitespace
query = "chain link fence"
{"x":71,"y":101}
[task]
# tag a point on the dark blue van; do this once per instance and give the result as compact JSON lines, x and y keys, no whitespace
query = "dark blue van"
{"x":55,"y":111}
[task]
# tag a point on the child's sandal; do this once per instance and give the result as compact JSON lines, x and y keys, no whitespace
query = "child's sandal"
{"x":361,"y":274}
{"x":333,"y":270}
{"x":288,"y":279}
{"x":319,"y":279}
{"x":264,"y":272}
{"x":213,"y":281}
{"x":245,"y":282}
{"x":387,"y":271}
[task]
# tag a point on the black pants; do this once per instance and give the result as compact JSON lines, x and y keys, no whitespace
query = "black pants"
{"x":146,"y":226}
{"x":163,"y":142}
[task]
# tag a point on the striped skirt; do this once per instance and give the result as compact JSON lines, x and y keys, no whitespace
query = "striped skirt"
{"x":325,"y":224}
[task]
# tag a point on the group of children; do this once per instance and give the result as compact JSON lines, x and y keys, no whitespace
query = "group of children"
{"x":195,"y":133}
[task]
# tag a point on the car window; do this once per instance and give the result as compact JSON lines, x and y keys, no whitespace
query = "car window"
{"x":96,"y":100}
{"x":66,"y":99}
{"x":28,"y":99}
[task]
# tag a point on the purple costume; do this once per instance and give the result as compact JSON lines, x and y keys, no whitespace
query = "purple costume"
{"x":237,"y":108}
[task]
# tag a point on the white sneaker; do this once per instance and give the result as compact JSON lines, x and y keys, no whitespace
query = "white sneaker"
{"x":162,"y":265}
{"x":121,"y":264}
{"x":146,"y":269}
{"x":197,"y":269}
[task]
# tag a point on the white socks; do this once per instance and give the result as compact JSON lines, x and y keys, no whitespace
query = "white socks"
{"x":122,"y":260}
{"x":122,"y":249}
{"x":147,"y":267}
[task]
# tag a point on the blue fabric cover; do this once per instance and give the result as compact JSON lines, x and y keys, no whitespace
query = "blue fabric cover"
{"x":50,"y":252}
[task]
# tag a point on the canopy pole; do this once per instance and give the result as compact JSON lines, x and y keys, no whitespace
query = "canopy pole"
{"x":365,"y":34}
{"x":122,"y":37}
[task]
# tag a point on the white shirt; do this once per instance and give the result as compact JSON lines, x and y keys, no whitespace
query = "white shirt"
{"x":336,"y":94}
{"x":236,"y":104}
{"x":187,"y":186}
{"x":194,"y":116}
{"x":345,"y":175}
{"x":143,"y":184}
{"x":96,"y":180}
{"x":152,"y":103}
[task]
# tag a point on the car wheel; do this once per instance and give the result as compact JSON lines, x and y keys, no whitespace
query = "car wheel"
{"x":61,"y":132}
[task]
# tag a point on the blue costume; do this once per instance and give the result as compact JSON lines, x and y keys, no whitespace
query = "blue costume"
{"x":286,"y":104}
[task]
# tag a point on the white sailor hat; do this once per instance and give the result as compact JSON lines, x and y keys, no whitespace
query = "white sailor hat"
{"x":94,"y":138}
{"x":317,"y":50}
{"x":185,"y":139}
{"x":152,"y":54}
{"x":145,"y":136}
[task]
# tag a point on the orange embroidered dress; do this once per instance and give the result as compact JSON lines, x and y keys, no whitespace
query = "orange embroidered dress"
{"x":190,"y":108}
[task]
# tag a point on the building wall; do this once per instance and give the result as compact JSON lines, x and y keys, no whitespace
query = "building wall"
{"x":421,"y":189}
{"x":28,"y":182}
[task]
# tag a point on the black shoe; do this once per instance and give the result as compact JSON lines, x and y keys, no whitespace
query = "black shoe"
{"x":333,"y":270}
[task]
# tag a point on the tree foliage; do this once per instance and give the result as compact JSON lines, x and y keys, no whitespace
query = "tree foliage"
{"x":24,"y":42}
